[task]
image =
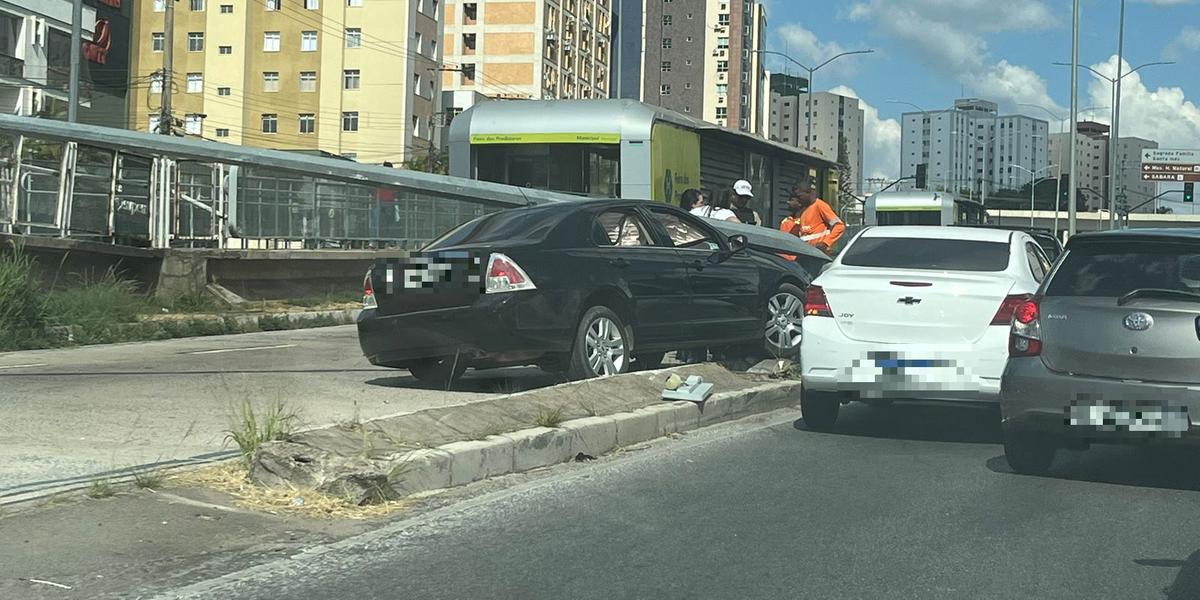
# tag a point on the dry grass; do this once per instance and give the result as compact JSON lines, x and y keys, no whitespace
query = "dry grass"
{"x":549,"y":417}
{"x":230,"y":478}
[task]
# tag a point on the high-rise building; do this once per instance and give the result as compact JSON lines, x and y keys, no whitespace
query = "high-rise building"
{"x":35,"y":53}
{"x":354,"y":78}
{"x":837,"y":123}
{"x":697,"y":57}
{"x":528,"y":49}
{"x":1091,"y":160}
{"x":972,"y":150}
{"x":1129,"y":178}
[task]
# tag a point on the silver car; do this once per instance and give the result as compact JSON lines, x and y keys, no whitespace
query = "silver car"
{"x":1109,"y":348}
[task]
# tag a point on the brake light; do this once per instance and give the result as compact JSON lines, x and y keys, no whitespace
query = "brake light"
{"x":815,"y":302}
{"x":1004,"y":316}
{"x":368,"y":292}
{"x":1025,"y":337}
{"x":505,"y":275}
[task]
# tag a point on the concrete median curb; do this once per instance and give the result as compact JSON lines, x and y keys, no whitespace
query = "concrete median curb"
{"x":364,"y":480}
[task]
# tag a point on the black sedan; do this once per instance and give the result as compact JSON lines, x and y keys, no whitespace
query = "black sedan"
{"x":589,"y":288}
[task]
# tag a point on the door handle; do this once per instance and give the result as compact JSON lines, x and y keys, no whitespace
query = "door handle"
{"x":698,"y":264}
{"x":619,"y":262}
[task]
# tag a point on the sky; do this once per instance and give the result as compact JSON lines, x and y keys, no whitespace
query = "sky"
{"x":930,"y":52}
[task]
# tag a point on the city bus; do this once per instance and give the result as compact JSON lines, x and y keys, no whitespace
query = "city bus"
{"x":922,"y":208}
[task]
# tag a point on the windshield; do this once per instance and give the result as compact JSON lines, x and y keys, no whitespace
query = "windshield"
{"x":922,"y":253}
{"x":1114,"y":269}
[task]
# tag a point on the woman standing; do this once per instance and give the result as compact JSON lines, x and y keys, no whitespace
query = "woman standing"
{"x":719,"y":209}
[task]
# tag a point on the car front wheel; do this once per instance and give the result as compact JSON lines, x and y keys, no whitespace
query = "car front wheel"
{"x":785,"y":309}
{"x":1029,"y":454}
{"x":601,"y":346}
{"x":820,"y":409}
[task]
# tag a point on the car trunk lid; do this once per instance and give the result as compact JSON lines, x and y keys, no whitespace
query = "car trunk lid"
{"x":425,"y":281}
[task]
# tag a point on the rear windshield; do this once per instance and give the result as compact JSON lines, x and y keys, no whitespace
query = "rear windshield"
{"x":908,"y":217}
{"x":1113,"y":269}
{"x":530,"y":224}
{"x":917,"y":253}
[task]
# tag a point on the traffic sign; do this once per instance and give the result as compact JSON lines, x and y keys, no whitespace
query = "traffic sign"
{"x":1161,"y":156}
{"x":1150,"y":176}
{"x":1170,"y":168}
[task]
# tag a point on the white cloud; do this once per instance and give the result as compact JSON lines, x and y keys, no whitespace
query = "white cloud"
{"x":1164,"y":114}
{"x":804,"y":46}
{"x":1166,"y":2}
{"x":881,"y":140}
{"x":1186,"y":42}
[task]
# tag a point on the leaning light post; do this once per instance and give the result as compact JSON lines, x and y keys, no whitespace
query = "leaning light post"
{"x":1032,"y":186}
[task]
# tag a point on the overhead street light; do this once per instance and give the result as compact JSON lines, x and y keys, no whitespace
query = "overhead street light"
{"x":811,"y":70}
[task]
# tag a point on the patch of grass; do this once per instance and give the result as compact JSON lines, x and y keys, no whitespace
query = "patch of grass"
{"x":354,"y":423}
{"x":101,"y":488}
{"x":589,"y":407}
{"x":23,"y":310}
{"x":250,"y":428}
{"x":193,"y":303}
{"x":549,"y":417}
{"x":149,"y":479}
{"x":96,"y":304}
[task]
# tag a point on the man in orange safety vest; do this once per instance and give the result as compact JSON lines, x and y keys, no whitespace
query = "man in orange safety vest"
{"x":812,"y":220}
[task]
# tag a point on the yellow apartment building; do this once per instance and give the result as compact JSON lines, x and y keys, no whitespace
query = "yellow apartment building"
{"x":355,"y":78}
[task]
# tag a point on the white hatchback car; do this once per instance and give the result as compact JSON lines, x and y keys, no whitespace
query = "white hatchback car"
{"x":914,"y":312}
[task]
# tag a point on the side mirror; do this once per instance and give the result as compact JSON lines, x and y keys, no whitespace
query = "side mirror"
{"x":738,"y":243}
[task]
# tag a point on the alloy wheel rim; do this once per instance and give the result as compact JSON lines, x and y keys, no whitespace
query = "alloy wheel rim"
{"x":605,"y":347}
{"x":785,"y":313}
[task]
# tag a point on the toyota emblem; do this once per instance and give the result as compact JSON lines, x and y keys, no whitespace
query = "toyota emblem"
{"x":1138,"y":321}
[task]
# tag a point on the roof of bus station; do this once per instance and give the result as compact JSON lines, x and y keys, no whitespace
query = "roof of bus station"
{"x":630,"y":119}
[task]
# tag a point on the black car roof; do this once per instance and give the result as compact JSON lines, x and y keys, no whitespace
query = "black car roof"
{"x":1191,"y":234}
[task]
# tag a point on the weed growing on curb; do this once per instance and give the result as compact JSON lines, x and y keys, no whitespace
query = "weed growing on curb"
{"x":101,"y":488}
{"x":549,"y":417}
{"x":250,"y":429}
{"x":149,"y":479}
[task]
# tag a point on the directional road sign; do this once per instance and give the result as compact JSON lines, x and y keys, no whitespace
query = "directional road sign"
{"x":1170,"y":165}
{"x":1161,"y":156}
{"x":1155,"y":176}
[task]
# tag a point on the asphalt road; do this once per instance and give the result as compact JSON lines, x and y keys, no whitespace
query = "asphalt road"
{"x":910,"y":502}
{"x":72,"y":414}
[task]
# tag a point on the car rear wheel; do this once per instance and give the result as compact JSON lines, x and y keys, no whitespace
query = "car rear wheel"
{"x":782,"y":332}
{"x":820,"y":409}
{"x":1029,"y":454}
{"x":439,"y":372}
{"x":601,"y":346}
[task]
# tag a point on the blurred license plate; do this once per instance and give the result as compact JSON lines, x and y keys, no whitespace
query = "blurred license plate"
{"x":907,"y":363}
{"x":1116,"y":418}
{"x":444,"y":270}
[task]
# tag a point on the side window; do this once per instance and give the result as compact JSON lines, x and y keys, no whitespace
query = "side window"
{"x":684,"y":233}
{"x":620,"y":228}
{"x":1036,"y":264}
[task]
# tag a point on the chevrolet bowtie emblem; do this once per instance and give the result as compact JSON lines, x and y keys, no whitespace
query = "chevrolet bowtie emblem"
{"x":909,"y":300}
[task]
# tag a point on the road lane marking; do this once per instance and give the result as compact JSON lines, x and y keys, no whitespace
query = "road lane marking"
{"x":223,"y":350}
{"x":23,"y":366}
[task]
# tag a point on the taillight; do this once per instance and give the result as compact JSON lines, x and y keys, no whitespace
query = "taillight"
{"x":505,"y":275}
{"x":1004,"y":316}
{"x":815,"y":302}
{"x":1025,"y":337}
{"x":368,"y":292}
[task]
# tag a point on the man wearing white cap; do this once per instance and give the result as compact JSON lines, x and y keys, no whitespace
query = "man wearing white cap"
{"x":743,"y":194}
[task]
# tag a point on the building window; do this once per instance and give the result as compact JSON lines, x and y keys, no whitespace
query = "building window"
{"x":192,"y":124}
{"x":666,"y":42}
{"x":354,"y":3}
{"x":195,"y":83}
{"x":666,"y":19}
{"x":354,"y":37}
{"x":723,"y":20}
{"x":270,"y":82}
{"x":665,"y":67}
{"x":308,"y":123}
{"x":197,"y":5}
{"x":224,"y":91}
{"x":723,"y":42}
{"x":270,"y":123}
{"x":722,"y":112}
{"x":722,"y":66}
{"x":226,"y":9}
{"x":308,"y":41}
{"x":272,"y":4}
{"x":196,"y":41}
{"x":664,"y":89}
{"x":470,"y":13}
{"x":312,"y":4}
{"x":271,"y":41}
{"x":468,"y":74}
{"x":416,"y":125}
{"x":156,"y":83}
{"x":468,"y":43}
{"x":350,"y":121}
{"x":160,"y":6}
{"x":420,"y":42}
{"x":722,"y":89}
{"x":308,"y":81}
{"x":222,"y":132}
{"x":417,"y":83}
{"x":351,"y":79}
{"x":156,"y":41}
{"x":225,"y":49}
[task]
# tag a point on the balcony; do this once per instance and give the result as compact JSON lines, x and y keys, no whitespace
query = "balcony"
{"x":11,"y":66}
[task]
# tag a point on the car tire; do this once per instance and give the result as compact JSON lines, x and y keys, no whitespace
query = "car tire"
{"x":1029,"y":454}
{"x":439,"y":372}
{"x":781,"y":332}
{"x":820,"y":409}
{"x":601,"y":345}
{"x":648,"y":362}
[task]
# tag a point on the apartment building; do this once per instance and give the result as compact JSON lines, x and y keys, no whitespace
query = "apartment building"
{"x":837,"y":123}
{"x":355,"y":78}
{"x":35,"y":52}
{"x":528,"y":49}
{"x":1129,"y":178}
{"x":972,"y":149}
{"x":1091,"y":160}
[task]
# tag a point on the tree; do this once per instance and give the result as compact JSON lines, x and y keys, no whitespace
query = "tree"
{"x":419,"y":162}
{"x":845,"y":175}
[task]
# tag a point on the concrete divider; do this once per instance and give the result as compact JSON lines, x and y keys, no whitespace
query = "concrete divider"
{"x":333,"y":465}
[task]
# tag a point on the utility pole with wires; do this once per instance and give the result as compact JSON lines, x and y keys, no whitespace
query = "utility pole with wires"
{"x":165,"y":120}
